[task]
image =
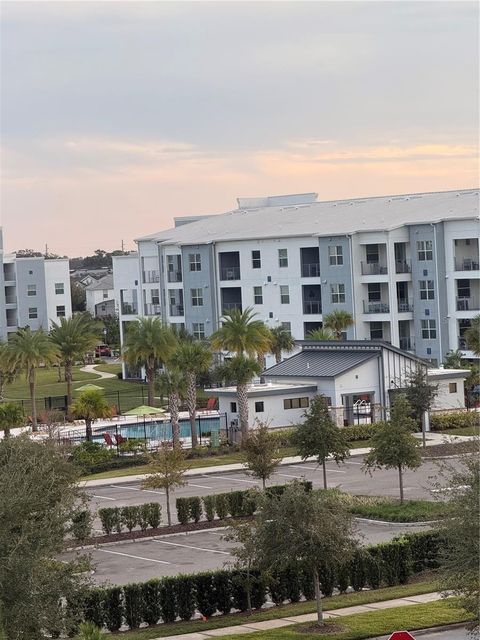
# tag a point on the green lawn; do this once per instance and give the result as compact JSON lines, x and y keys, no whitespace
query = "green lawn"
{"x":390,"y":509}
{"x":109,"y":368}
{"x":463,"y":431}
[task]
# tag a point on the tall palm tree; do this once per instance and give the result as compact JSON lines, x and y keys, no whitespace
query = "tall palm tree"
{"x":320,"y":334}
{"x":91,"y":405}
{"x":172,"y":383}
{"x":240,"y":333}
{"x":28,"y":350}
{"x":74,"y":337}
{"x":193,"y":358}
{"x":240,"y":369}
{"x":281,"y":340}
{"x":148,"y":344}
{"x":7,"y":370}
{"x":11,"y":415}
{"x":472,"y":336}
{"x":338,"y":322}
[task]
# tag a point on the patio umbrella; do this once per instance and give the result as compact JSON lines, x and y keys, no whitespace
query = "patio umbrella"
{"x":90,"y":387}
{"x":144,"y":410}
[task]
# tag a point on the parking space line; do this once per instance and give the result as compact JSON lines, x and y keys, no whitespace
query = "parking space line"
{"x":199,"y":486}
{"x":103,"y":497}
{"x":129,"y":555}
{"x":115,"y":486}
{"x":285,"y":475}
{"x":350,"y":462}
{"x":187,"y":546}
{"x":303,"y":467}
{"x":229,"y":478}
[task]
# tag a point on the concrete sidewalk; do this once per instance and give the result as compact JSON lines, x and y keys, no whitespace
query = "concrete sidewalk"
{"x":276,"y":623}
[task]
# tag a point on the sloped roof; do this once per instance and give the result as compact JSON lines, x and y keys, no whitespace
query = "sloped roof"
{"x":103,"y":283}
{"x":320,"y":364}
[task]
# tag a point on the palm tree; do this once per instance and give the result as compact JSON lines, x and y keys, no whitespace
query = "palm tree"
{"x":320,"y":334}
{"x":472,"y":336}
{"x":240,"y":369}
{"x":172,"y":383}
{"x":241,"y":334}
{"x":28,"y":350}
{"x":11,"y":415}
{"x":7,"y":371}
{"x":74,"y":337}
{"x":281,"y":340}
{"x":338,"y":322}
{"x":91,"y":405}
{"x":148,"y":344}
{"x":193,"y":358}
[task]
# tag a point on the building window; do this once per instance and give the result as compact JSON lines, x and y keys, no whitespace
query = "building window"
{"x":105,"y":295}
{"x":257,"y":295}
{"x":429,"y":329}
{"x":463,"y":288}
{"x":198,"y":330}
{"x":284,"y":294}
{"x":296,"y":403}
{"x":259,"y":407}
{"x":233,"y":407}
{"x":155,"y":296}
{"x":31,"y":289}
{"x":337,"y":292}
{"x":282,"y":258}
{"x":32,"y":313}
{"x":59,"y":288}
{"x":425,"y":250}
{"x":374,"y":292}
{"x":452,"y":387}
{"x":287,"y":326}
{"x":376,"y":331}
{"x":197,"y":297}
{"x":195,"y":261}
{"x":335,"y":255}
{"x":427,"y":291}
{"x":371,"y":253}
{"x":61,"y":311}
{"x":256,"y":260}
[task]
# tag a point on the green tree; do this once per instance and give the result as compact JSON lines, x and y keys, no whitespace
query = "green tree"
{"x":240,"y":369}
{"x":79,"y":296}
{"x":149,"y":344}
{"x":338,"y":322}
{"x":240,"y":333}
{"x":112,"y":325}
{"x":171,"y":383}
{"x":11,"y":415}
{"x":392,"y":445}
{"x":320,"y":334}
{"x":261,"y":453}
{"x":73,"y":337}
{"x":91,"y":405}
{"x":193,"y":358}
{"x":245,"y":556}
{"x":29,"y":350}
{"x":318,"y":436}
{"x":420,"y":394}
{"x":281,"y":341}
{"x":472,"y":336}
{"x":454,"y":360}
{"x":8,"y":372}
{"x":168,"y":466}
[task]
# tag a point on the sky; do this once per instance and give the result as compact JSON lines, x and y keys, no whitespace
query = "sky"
{"x":118,"y":116}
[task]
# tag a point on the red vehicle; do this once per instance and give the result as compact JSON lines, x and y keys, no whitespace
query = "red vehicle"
{"x":102,"y":350}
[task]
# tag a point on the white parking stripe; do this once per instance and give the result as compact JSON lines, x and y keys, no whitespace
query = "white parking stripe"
{"x":285,"y":475}
{"x":129,"y":555}
{"x":103,"y":497}
{"x":229,"y":478}
{"x":187,"y":546}
{"x":161,"y":493}
{"x":303,"y":467}
{"x":350,"y":462}
{"x":199,"y":486}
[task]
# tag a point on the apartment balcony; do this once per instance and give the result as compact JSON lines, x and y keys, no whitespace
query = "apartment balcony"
{"x":374,"y":269}
{"x":403,"y":266}
{"x":462,"y":344}
{"x":311,"y":307}
{"x":468,"y":304}
{"x":311,"y":270}
{"x":10,"y":300}
{"x":375,"y":307}
{"x":407,"y":343}
{"x":151,"y":276}
{"x":230,"y":273}
{"x":230,"y":306}
{"x":174,"y":276}
{"x":177,"y":310}
{"x":404,"y":306}
{"x":129,"y":309}
{"x":467,"y":264}
{"x":151,"y":309}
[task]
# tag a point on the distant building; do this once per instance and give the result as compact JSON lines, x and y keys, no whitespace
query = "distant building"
{"x":100,"y":297}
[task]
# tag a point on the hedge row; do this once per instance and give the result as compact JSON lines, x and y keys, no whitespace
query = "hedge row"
{"x":169,"y":599}
{"x":361,"y":431}
{"x":114,"y":519}
{"x":456,"y":420}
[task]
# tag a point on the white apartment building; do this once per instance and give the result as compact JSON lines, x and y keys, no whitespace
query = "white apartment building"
{"x":406,"y":267}
{"x":100,"y":297}
{"x":33,"y":292}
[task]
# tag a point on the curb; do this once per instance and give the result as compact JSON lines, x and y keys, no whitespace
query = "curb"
{"x":426,"y":631}
{"x":403,"y":524}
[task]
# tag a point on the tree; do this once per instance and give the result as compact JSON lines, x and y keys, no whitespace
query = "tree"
{"x":171,"y":383}
{"x":7,"y":370}
{"x":240,"y":369}
{"x":148,"y":344}
{"x":40,"y":494}
{"x":392,"y":445}
{"x":73,"y":337}
{"x":420,"y":394}
{"x":261,"y":453}
{"x":112,"y":325}
{"x":79,"y":296}
{"x":320,"y":334}
{"x":454,"y":360}
{"x":472,"y":336}
{"x":241,"y":334}
{"x":28,"y":350}
{"x":91,"y":405}
{"x":193,"y":358}
{"x":168,"y":466}
{"x":310,"y":530}
{"x":338,"y":322}
{"x":281,"y":341}
{"x":246,"y":558}
{"x":11,"y":415}
{"x":318,"y":436}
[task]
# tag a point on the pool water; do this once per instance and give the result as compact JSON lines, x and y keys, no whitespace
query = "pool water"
{"x":162,"y":429}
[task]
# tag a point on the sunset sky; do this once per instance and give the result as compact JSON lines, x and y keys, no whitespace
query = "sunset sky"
{"x":116,"y":116}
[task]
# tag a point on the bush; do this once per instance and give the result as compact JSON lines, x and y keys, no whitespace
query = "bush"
{"x":357,"y":570}
{"x":278,"y":587}
{"x":113,"y":607}
{"x":291,"y":579}
{"x":258,"y":595}
{"x":129,"y":517}
{"x":82,"y":524}
{"x":185,"y":596}
{"x":89,"y":454}
{"x":328,"y":578}
{"x":374,"y":568}
{"x":183,"y":510}
{"x":222,"y":590}
{"x":132,"y":594}
{"x":154,"y":514}
{"x":167,"y":600}
{"x":361,"y":431}
{"x":221,"y":506}
{"x":206,"y":602}
{"x":235,"y":503}
{"x":152,"y":610}
{"x":93,"y":607}
{"x":209,"y":507}
{"x":239,"y":594}
{"x":454,"y":420}
{"x":249,"y":503}
{"x":195,"y":508}
{"x":283,"y":437}
{"x":397,"y":561}
{"x":89,"y":631}
{"x":143,"y":515}
{"x":424,"y":549}
{"x":110,"y":519}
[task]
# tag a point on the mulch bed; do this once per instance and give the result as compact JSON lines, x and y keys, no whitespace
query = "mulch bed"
{"x":327,"y":628}
{"x":450,"y":449}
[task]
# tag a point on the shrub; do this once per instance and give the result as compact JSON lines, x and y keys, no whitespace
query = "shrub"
{"x":239,"y":594}
{"x":306,"y":581}
{"x":113,"y":606}
{"x":167,"y":599}
{"x":133,"y":604}
{"x":327,"y":575}
{"x":222,"y":589}
{"x":143,"y":513}
{"x":152,"y":610}
{"x":283,"y":437}
{"x":90,"y":631}
{"x":82,"y":524}
{"x":249,"y":503}
{"x":343,"y":577}
{"x":154,"y":514}
{"x":221,"y":506}
{"x":235,"y":503}
{"x":89,"y":454}
{"x":93,"y":607}
{"x":209,"y":507}
{"x":374,"y":568}
{"x":258,"y":595}
{"x":357,"y":570}
{"x":277,"y":587}
{"x":185,"y":596}
{"x":183,"y":510}
{"x":397,"y":561}
{"x":129,"y":517}
{"x":195,"y":508}
{"x":291,"y":579}
{"x":361,"y":431}
{"x":454,"y":420}
{"x":424,"y":548}
{"x":206,"y":602}
{"x":110,"y":519}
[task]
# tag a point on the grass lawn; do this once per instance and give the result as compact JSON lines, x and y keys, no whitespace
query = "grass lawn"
{"x":299,"y":608}
{"x":463,"y":431}
{"x":109,"y":367}
{"x":391,"y":510}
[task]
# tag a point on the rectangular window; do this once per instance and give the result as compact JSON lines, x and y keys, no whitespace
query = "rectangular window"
{"x":429,"y":329}
{"x":427,"y":291}
{"x":376,"y":331}
{"x":155,"y":296}
{"x":296,"y":403}
{"x":337,"y":292}
{"x":284,"y":294}
{"x":463,"y":288}
{"x":374,"y":292}
{"x":195,"y":261}
{"x":259,"y":408}
{"x":32,"y":313}
{"x":287,"y":326}
{"x":452,"y":387}
{"x":233,"y":407}
{"x":61,"y":311}
{"x":197,"y":297}
{"x":371,"y":253}
{"x":31,"y":289}
{"x":282,"y":258}
{"x":257,"y":295}
{"x":105,"y":295}
{"x":256,"y":260}
{"x":335,"y":255}
{"x":60,"y":288}
{"x":198,"y":330}
{"x":425,"y":250}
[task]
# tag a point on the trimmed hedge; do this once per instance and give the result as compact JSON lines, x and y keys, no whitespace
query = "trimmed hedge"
{"x":144,"y":515}
{"x":361,"y":431}
{"x":455,"y":420}
{"x":389,"y":563}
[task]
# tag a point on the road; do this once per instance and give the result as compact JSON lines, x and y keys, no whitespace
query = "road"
{"x":451,"y":633}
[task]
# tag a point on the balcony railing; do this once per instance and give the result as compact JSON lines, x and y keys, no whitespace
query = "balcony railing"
{"x":129,"y":309}
{"x":407,"y":343}
{"x":468,"y":304}
{"x":151,"y":276}
{"x":467,"y":264}
{"x":230,"y":273}
{"x":310,"y":270}
{"x":10,"y":299}
{"x":374,"y":269}
{"x":177,"y":310}
{"x":174,"y":276}
{"x":230,"y":306}
{"x":403,"y":266}
{"x":404,"y":306}
{"x":312,"y":307}
{"x":375,"y":307}
{"x":151,"y":309}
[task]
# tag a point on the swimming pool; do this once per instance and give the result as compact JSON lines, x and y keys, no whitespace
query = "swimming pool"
{"x":162,"y":429}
